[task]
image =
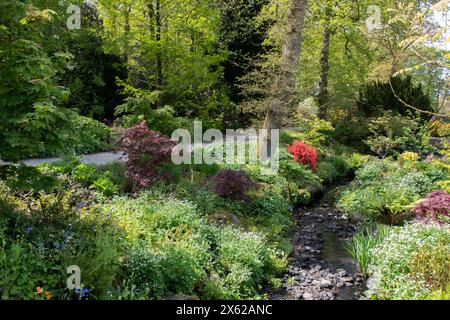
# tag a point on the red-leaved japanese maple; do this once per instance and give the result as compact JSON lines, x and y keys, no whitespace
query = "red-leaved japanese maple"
{"x":232,"y":184}
{"x":147,"y":152}
{"x":436,"y":207}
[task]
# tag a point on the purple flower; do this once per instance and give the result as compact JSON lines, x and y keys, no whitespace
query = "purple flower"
{"x":81,"y":205}
{"x":86,"y":292}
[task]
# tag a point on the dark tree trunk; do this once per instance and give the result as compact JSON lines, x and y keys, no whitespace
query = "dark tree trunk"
{"x":159,"y":64}
{"x":285,"y":85}
{"x":293,"y":42}
{"x":284,"y":90}
{"x":323,"y":97}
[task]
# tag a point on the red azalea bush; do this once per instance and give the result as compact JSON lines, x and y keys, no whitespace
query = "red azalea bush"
{"x":435,"y":207}
{"x":232,"y":184}
{"x":147,"y":152}
{"x":304,"y":154}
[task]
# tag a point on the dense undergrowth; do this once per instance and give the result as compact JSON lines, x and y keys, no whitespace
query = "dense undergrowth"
{"x":406,"y":250}
{"x":209,"y":231}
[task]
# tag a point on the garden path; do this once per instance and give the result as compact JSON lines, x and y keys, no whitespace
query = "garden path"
{"x":103,"y":158}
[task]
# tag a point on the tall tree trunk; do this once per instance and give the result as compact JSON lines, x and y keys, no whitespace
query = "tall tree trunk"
{"x":159,"y":64}
{"x":323,"y":97}
{"x":285,"y":85}
{"x":293,"y":43}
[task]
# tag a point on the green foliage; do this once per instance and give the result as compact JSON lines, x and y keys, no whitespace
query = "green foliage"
{"x":172,"y":57}
{"x":139,"y":105}
{"x":384,"y":191}
{"x":22,"y":270}
{"x":22,"y":178}
{"x":43,"y":234}
{"x":84,"y":135}
{"x":174,"y":267}
{"x":176,"y":250}
{"x":108,"y":180}
{"x":391,"y":135}
{"x":295,"y":172}
{"x":363,"y":242}
{"x":30,"y":120}
{"x":333,"y":167}
{"x":314,"y":132}
{"x":104,"y":185}
{"x":430,"y":264}
{"x":439,"y":128}
{"x":378,"y":96}
{"x":243,"y":259}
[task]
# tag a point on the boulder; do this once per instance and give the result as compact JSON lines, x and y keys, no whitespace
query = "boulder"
{"x":224,"y":217}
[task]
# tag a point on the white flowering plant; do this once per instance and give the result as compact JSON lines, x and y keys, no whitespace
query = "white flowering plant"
{"x":391,"y":275}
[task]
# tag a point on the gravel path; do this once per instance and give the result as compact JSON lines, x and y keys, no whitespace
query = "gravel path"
{"x":101,"y":158}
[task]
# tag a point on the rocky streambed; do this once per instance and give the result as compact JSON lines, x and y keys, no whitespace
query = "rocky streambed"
{"x":320,"y":268}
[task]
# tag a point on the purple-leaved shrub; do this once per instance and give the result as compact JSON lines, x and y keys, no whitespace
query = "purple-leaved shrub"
{"x":436,"y":207}
{"x":232,"y":184}
{"x":147,"y":152}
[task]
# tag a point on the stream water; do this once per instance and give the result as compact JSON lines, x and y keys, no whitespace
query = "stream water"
{"x":320,"y":267}
{"x":337,"y":257}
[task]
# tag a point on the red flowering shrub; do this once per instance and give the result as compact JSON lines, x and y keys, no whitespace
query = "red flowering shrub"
{"x":232,"y":184}
{"x":147,"y":152}
{"x":436,"y":207}
{"x":303,"y":154}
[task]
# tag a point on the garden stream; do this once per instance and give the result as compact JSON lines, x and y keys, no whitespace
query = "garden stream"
{"x":320,"y":268}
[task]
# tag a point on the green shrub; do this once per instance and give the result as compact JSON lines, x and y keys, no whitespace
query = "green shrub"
{"x":269,"y":204}
{"x":116,"y":170}
{"x":82,"y":135}
{"x":378,"y":96}
{"x":100,"y":179}
{"x":87,"y":135}
{"x":292,"y":171}
{"x":375,"y":171}
{"x":431,"y":264}
{"x":384,"y":191}
{"x":357,"y":161}
{"x":85,"y":174}
{"x":193,"y":256}
{"x":98,"y":257}
{"x":177,"y":267}
{"x":21,"y":178}
{"x":50,"y":232}
{"x":23,"y":269}
{"x":144,"y":274}
{"x":105,"y":185}
{"x":244,"y":260}
{"x":333,"y":167}
{"x":326,"y":172}
{"x":391,"y":273}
